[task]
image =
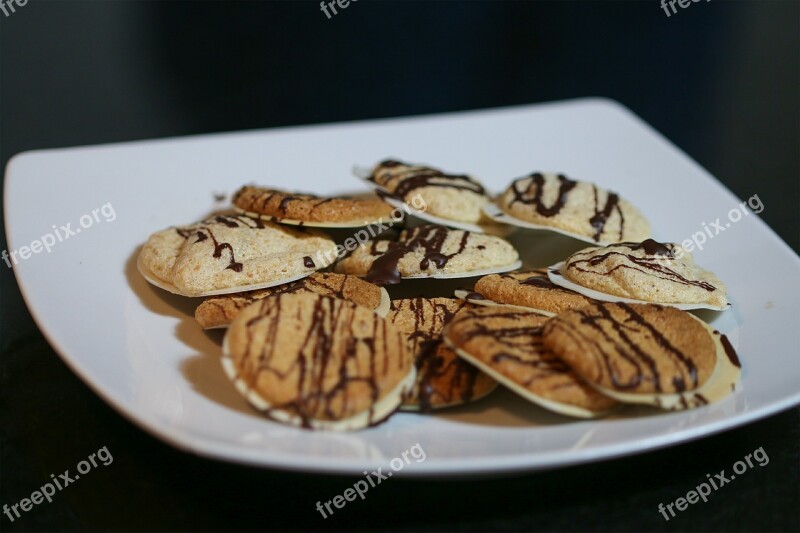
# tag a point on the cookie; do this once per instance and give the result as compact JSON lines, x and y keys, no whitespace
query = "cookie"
{"x":454,"y":197}
{"x":318,"y":362}
{"x":530,"y":289}
{"x":443,"y":380}
{"x":309,"y":209}
{"x":226,"y":254}
{"x":219,"y":311}
{"x":644,"y":353}
{"x":506,"y":343}
{"x":648,"y":272}
{"x":429,"y":251}
{"x":578,"y":208}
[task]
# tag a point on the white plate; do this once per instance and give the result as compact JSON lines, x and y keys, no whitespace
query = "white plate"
{"x":140,"y":350}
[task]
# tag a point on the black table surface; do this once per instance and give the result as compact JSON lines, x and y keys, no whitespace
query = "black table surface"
{"x":720,"y":79}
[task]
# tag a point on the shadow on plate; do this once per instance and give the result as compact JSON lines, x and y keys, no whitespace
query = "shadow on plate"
{"x":158,"y":300}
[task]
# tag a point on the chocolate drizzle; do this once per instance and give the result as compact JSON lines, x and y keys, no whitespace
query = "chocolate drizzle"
{"x":285,"y":202}
{"x":531,"y":289}
{"x":203,"y":231}
{"x":518,"y":339}
{"x":442,"y":378}
{"x":218,"y":249}
{"x":655,"y":262}
{"x":532,"y":194}
{"x":429,"y":238}
{"x":729,"y":351}
{"x":600,"y":217}
{"x":472,"y":295}
{"x":651,"y":247}
{"x":323,"y":283}
{"x":536,"y":278}
{"x":618,"y":338}
{"x":259,"y":199}
{"x":416,"y":177}
{"x":565,"y":185}
{"x":329,"y":367}
{"x":240,"y":300}
{"x":231,"y":222}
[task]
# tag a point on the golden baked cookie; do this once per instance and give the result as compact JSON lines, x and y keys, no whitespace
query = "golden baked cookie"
{"x":644,"y":353}
{"x":318,"y":362}
{"x":577,"y":207}
{"x":219,"y":311}
{"x":649,"y":270}
{"x":450,"y":196}
{"x":530,"y":288}
{"x":506,"y":343}
{"x":443,"y":380}
{"x":310,"y":209}
{"x":227,"y":254}
{"x":429,"y":251}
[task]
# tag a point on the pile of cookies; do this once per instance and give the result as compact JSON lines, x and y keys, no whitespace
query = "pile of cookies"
{"x":314,"y":339}
{"x":583,"y":357}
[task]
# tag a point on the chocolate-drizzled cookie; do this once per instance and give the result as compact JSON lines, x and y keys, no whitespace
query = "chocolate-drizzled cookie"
{"x":227,"y":254}
{"x":318,"y":362}
{"x":219,"y":311}
{"x":530,"y":288}
{"x":506,"y":343}
{"x":428,"y":251}
{"x":443,"y":380}
{"x":578,"y":207}
{"x":451,"y":196}
{"x":648,"y":270}
{"x":310,"y":209}
{"x":644,"y":353}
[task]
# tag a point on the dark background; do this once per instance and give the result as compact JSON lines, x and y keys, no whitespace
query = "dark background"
{"x":720,"y":79}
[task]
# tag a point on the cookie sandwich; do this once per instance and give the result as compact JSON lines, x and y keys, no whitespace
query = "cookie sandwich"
{"x":318,"y":362}
{"x":645,"y":354}
{"x":506,"y":343}
{"x":443,"y":379}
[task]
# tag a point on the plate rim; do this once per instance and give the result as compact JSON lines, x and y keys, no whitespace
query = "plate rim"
{"x":519,"y":462}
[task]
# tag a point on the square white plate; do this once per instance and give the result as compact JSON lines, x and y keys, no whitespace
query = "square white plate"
{"x":140,"y":350}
